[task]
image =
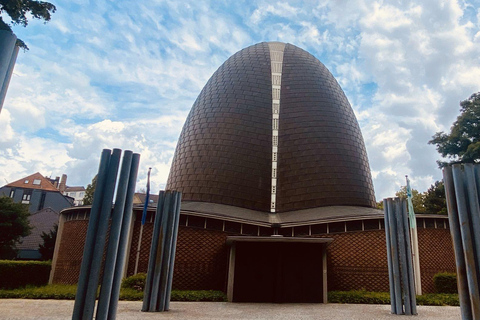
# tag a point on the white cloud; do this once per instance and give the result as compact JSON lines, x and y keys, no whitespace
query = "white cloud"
{"x":124,"y":74}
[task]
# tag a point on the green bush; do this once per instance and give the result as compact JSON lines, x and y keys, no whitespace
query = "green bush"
{"x":17,"y":274}
{"x":135,"y":282}
{"x":359,"y":297}
{"x":438,"y":299}
{"x":130,"y":294}
{"x":365,"y":297}
{"x":198,"y":295}
{"x":445,"y":282}
{"x":67,"y":292}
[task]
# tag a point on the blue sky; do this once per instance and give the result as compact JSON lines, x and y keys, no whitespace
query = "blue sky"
{"x":105,"y":74}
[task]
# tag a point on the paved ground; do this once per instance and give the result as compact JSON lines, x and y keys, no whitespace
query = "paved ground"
{"x":62,"y":309}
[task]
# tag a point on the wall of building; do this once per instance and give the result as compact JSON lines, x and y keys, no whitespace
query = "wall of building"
{"x":356,"y":260}
{"x":54,"y":200}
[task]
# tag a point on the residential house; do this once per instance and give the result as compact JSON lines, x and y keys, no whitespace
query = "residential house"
{"x":44,"y":201}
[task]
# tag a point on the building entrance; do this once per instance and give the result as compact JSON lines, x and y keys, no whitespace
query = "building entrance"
{"x":278,"y":270}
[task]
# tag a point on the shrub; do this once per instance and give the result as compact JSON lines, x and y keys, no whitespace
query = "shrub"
{"x":198,"y":295}
{"x":135,"y":282}
{"x":438,"y":299}
{"x":16,"y":274}
{"x":359,"y":296}
{"x":445,"y":282}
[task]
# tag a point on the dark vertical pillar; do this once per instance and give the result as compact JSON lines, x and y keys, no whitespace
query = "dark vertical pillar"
{"x":402,"y":288}
{"x":461,"y":187}
{"x":162,"y":252}
{"x":100,"y":215}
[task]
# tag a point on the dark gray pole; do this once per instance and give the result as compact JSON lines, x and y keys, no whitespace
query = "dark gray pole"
{"x":396,"y":265}
{"x":408,"y":249}
{"x":389,"y":257}
{"x":167,"y":252}
{"x":162,"y":253}
{"x":90,"y":237}
{"x":160,"y":261}
{"x":153,"y":252}
{"x":122,"y":246}
{"x":178,"y":201}
{"x":466,"y":234}
{"x":8,"y":56}
{"x":114,"y":237}
{"x":474,"y":212}
{"x":453,"y":220}
{"x":106,"y":211}
{"x":403,"y":256}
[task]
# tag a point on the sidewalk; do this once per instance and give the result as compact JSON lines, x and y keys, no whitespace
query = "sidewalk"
{"x":62,"y":309}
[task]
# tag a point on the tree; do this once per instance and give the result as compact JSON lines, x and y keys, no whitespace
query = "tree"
{"x":18,"y":10}
{"x":434,"y":199}
{"x":417,"y":199}
{"x":14,"y":225}
{"x":46,"y":249}
{"x":380,"y":205}
{"x":88,"y":199}
{"x":462,"y":144}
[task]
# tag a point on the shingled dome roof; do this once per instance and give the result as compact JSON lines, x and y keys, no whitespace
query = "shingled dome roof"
{"x":272,"y":131}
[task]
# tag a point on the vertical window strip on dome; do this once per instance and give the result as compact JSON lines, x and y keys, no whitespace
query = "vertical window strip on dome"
{"x":276,"y":60}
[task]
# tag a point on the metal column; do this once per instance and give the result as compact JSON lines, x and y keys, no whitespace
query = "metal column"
{"x":399,"y":255}
{"x":462,"y":184}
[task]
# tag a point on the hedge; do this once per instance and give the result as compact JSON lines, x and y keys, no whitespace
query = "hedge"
{"x":17,"y":274}
{"x":67,"y":292}
{"x":445,"y":282}
{"x":366,"y":297}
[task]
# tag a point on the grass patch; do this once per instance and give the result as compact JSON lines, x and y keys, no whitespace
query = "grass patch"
{"x":66,"y":292}
{"x":56,"y":291}
{"x":366,"y":297}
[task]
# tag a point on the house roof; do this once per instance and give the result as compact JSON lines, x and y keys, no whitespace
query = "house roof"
{"x":283,"y":219}
{"x":41,"y":221}
{"x":139,"y":198}
{"x":73,"y":189}
{"x":33,"y":181}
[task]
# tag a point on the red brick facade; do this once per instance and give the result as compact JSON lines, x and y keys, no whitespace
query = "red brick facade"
{"x":356,"y":260}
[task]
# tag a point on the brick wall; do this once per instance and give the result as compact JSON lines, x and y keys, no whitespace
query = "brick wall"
{"x":436,"y":254}
{"x":70,"y":252}
{"x":356,"y":260}
{"x":200,"y":260}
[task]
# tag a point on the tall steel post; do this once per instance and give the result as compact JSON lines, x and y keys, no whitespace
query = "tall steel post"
{"x":114,"y":237}
{"x":395,"y":263}
{"x":462,"y":283}
{"x":90,"y":238}
{"x":178,"y":200}
{"x":103,"y":221}
{"x":122,"y":246}
{"x":153,"y":252}
{"x":467,"y":239}
{"x":389,"y":258}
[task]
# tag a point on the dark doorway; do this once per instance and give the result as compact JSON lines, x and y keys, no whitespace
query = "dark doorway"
{"x":278,"y":272}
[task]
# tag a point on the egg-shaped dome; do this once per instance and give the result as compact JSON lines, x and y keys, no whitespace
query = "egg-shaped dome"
{"x":272,"y":131}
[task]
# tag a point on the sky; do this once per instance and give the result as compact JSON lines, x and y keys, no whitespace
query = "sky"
{"x":124,"y":74}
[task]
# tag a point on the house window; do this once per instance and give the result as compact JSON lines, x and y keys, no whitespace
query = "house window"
{"x":36,"y":182}
{"x":27,"y":194}
{"x":26,"y":181}
{"x":12,"y":193}
{"x":41,"y":204}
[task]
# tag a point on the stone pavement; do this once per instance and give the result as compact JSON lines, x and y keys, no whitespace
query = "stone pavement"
{"x":19,"y":309}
